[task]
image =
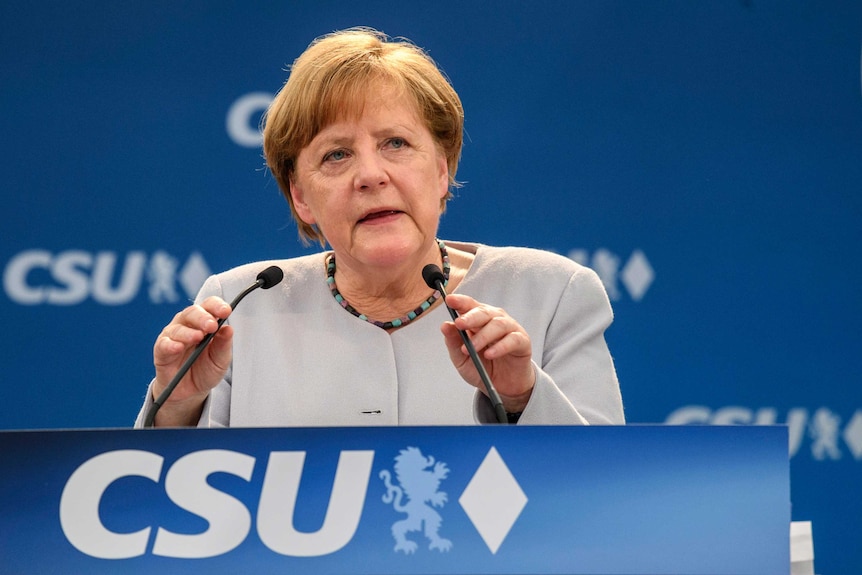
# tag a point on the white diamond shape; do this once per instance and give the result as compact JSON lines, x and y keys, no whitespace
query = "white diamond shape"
{"x":637,"y":275}
{"x":194,"y":274}
{"x":853,"y":435}
{"x":493,"y":500}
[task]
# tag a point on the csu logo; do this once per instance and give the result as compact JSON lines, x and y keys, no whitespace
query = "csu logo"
{"x":419,"y":479}
{"x":824,"y":429}
{"x":92,"y":491}
{"x":40,"y":277}
{"x":243,"y":119}
{"x":229,"y":519}
{"x":636,"y":275}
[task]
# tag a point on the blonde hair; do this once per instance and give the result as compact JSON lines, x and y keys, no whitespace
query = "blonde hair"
{"x":329,"y":81}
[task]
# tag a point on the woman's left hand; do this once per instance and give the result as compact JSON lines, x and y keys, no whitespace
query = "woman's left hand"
{"x":502,"y":345}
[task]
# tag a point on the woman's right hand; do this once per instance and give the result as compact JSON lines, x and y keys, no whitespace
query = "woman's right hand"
{"x":175,"y":344}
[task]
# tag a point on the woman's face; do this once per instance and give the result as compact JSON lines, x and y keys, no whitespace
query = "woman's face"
{"x":373,"y":185}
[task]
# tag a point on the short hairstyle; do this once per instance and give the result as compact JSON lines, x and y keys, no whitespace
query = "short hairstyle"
{"x":329,"y":81}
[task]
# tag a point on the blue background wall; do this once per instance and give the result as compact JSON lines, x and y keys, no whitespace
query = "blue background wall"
{"x":705,"y":158}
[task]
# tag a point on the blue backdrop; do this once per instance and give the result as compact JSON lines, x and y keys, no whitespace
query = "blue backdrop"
{"x":705,"y":158}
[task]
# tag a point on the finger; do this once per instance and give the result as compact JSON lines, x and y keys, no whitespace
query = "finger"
{"x":188,"y":328}
{"x":216,"y":306}
{"x":188,"y":335}
{"x":513,"y":343}
{"x":167,"y":351}
{"x":220,"y":349}
{"x":205,"y":373}
{"x":477,"y":315}
{"x":203,"y":316}
{"x":460,"y":302}
{"x":457,"y":351}
{"x":452,"y":337}
{"x":174,"y":340}
{"x":487,"y":331}
{"x":192,"y":319}
{"x":487,"y":326}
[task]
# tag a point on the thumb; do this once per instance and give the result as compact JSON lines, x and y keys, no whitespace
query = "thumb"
{"x":220,"y":350}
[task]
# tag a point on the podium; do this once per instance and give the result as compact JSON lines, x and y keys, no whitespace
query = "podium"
{"x":629,"y":500}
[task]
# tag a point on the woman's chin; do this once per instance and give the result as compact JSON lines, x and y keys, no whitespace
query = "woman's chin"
{"x":381,"y":247}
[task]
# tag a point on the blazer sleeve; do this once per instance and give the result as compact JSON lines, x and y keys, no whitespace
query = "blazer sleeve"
{"x":576,"y":382}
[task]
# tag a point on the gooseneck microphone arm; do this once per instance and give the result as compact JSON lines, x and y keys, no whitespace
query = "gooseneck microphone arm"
{"x":434,"y":278}
{"x":266,"y":279}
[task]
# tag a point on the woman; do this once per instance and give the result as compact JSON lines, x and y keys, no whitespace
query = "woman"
{"x":364,"y":140}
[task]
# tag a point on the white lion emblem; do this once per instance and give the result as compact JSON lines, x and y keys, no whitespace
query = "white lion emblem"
{"x":419,"y":484}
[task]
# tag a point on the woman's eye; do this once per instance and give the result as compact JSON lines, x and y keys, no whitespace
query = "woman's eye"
{"x":334,"y":156}
{"x":397,"y":142}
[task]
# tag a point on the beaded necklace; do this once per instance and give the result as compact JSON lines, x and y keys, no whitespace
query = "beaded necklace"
{"x":399,"y":321}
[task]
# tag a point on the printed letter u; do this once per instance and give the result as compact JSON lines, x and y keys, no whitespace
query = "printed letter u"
{"x":275,"y":516}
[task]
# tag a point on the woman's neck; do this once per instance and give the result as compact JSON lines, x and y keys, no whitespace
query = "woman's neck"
{"x":384,"y":294}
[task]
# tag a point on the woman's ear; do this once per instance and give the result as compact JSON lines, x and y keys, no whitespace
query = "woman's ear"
{"x":443,"y":175}
{"x":299,"y":205}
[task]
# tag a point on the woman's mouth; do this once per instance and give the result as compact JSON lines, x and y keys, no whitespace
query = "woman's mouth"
{"x":375,"y":216}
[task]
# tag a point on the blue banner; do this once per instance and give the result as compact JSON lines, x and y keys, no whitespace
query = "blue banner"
{"x":496,"y":499}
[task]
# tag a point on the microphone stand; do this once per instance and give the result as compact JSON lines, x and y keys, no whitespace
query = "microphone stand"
{"x":434,"y":278}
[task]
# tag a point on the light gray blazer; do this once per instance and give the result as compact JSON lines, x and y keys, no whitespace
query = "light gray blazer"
{"x":300,"y":359}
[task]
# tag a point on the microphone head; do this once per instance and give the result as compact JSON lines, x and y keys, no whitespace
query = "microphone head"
{"x":432,"y":275}
{"x":271,"y":276}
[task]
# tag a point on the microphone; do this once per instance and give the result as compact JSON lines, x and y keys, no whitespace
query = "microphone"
{"x":266,"y":279}
{"x":434,"y":278}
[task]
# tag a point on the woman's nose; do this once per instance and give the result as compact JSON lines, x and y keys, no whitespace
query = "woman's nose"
{"x":370,"y":172}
